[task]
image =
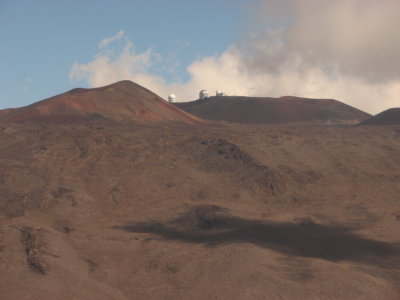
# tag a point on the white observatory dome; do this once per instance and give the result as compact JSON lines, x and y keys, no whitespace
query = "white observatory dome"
{"x":203,"y":94}
{"x":171,"y":98}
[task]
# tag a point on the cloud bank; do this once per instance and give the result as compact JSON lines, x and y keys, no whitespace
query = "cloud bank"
{"x":344,"y":49}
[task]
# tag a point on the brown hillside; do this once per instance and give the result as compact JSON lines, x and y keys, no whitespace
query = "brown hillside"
{"x":130,"y":211}
{"x":135,"y":207}
{"x":263,"y":110}
{"x":387,"y":117}
{"x":123,"y":101}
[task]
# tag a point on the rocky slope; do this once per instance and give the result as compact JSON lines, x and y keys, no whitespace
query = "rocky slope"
{"x":123,"y":101}
{"x":264,"y":110}
{"x":133,"y":207}
{"x":387,"y":117}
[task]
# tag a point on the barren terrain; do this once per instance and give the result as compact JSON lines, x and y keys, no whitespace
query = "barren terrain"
{"x":123,"y":101}
{"x":266,"y":110}
{"x":100,"y":209}
{"x":388,"y":117}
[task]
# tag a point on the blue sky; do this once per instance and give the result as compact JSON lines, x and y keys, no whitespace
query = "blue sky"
{"x":347,"y":50}
{"x":40,"y":40}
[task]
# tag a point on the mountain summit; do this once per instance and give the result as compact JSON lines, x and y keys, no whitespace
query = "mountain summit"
{"x":266,"y":110}
{"x":122,"y":101}
{"x":390,"y":116}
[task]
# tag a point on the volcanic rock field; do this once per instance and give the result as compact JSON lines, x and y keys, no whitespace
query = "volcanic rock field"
{"x":114,"y":193}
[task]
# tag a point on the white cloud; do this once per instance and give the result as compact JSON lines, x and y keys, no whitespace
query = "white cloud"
{"x":355,"y":37}
{"x":347,"y":50}
{"x":214,"y":73}
{"x":343,"y":49}
{"x":104,"y":42}
{"x":110,"y":66}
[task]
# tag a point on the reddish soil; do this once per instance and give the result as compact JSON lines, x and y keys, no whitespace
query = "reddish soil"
{"x":123,"y":101}
{"x":387,"y":117}
{"x":263,"y":110}
{"x":172,"y":210}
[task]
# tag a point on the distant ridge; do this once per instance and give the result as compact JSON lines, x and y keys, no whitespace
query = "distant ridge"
{"x":387,"y":117}
{"x":266,"y":110}
{"x":123,"y":101}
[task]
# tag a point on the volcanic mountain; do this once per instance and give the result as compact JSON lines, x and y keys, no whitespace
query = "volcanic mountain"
{"x":121,"y":210}
{"x":387,"y":117}
{"x":265,"y":110}
{"x":122,"y":101}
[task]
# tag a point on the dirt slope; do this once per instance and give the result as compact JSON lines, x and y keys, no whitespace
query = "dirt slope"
{"x":123,"y":101}
{"x":263,"y":110}
{"x":387,"y":117}
{"x":130,"y":211}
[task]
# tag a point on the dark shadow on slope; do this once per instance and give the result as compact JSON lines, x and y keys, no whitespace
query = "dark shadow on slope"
{"x":212,"y":225}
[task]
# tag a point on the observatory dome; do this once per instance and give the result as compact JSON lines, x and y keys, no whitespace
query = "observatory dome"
{"x":203,"y":94}
{"x":171,"y":98}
